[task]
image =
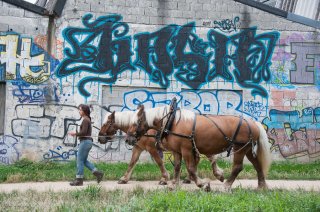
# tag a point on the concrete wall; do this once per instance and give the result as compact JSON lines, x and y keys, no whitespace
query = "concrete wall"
{"x":216,"y":56}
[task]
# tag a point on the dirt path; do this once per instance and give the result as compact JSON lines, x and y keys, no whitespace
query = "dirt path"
{"x":152,"y":185}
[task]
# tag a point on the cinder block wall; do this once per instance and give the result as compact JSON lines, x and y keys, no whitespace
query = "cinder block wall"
{"x":218,"y":57}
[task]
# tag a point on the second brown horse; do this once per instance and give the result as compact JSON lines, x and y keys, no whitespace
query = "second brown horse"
{"x":121,"y":121}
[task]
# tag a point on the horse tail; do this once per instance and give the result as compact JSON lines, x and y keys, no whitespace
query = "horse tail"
{"x":263,"y":153}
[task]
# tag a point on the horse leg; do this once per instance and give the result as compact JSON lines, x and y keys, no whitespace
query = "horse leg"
{"x":191,"y":164}
{"x":136,"y":152}
{"x":177,"y":168}
{"x":217,"y":172}
{"x":261,"y":178}
{"x":236,"y":167}
{"x":155,"y":155}
{"x":188,"y":179}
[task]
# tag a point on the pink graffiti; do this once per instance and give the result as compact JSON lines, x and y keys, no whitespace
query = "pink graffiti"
{"x":292,"y":144}
{"x":294,"y":37}
{"x":282,"y":55}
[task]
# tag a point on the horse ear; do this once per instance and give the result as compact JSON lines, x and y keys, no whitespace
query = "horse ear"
{"x":141,"y":110}
{"x":112,"y":114}
{"x":140,"y":107}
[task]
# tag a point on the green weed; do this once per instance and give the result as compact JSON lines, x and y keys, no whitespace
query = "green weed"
{"x":95,"y":198}
{"x":25,"y":170}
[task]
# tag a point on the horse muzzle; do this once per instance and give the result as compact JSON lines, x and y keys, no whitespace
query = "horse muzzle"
{"x":105,"y":139}
{"x":131,"y":140}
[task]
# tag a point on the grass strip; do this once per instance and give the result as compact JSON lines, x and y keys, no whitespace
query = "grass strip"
{"x":28,"y":171}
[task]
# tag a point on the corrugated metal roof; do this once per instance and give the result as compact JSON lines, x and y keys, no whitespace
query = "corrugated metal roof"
{"x":301,"y":11}
{"x":305,"y":8}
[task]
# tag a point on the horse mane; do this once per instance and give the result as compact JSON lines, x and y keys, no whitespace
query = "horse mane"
{"x":106,"y":118}
{"x":160,"y":112}
{"x":124,"y":118}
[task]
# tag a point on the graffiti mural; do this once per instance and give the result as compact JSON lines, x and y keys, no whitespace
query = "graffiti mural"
{"x":58,"y":154}
{"x":42,"y":40}
{"x":103,"y":48}
{"x":21,"y":59}
{"x":37,"y":126}
{"x":307,"y":59}
{"x":218,"y":69}
{"x":217,"y":102}
{"x":27,"y":93}
{"x":39,"y":122}
{"x":254,"y":108}
{"x":294,"y":134}
{"x":8,"y":152}
{"x":227,"y":25}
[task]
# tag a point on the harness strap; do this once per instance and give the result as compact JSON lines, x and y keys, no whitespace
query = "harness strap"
{"x":238,"y":128}
{"x":249,"y":128}
{"x":155,"y":136}
{"x":147,"y":135}
{"x":232,"y":140}
{"x":171,"y":114}
{"x":224,"y":135}
{"x":194,"y":147}
{"x":184,"y":136}
{"x":251,"y":140}
{"x":234,"y":136}
{"x":179,"y":135}
{"x":190,"y":137}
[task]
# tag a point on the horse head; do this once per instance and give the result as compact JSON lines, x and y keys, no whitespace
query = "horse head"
{"x":139,"y":126}
{"x":108,"y":129}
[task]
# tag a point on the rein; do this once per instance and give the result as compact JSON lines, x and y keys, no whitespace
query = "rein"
{"x":232,"y":141}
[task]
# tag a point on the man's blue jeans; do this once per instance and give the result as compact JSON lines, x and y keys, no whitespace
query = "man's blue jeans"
{"x":82,"y":158}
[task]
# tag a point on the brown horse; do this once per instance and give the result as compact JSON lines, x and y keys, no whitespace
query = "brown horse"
{"x":193,"y":134}
{"x":121,"y":121}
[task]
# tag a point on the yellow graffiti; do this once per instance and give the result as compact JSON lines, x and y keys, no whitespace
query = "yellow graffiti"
{"x":24,"y":60}
{"x":168,"y":157}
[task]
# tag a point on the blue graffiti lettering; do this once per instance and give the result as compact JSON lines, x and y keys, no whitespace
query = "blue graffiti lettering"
{"x":85,"y":56}
{"x":309,"y":118}
{"x":227,"y":25}
{"x":56,"y":156}
{"x":103,"y":48}
{"x":202,"y":102}
{"x":26,"y":94}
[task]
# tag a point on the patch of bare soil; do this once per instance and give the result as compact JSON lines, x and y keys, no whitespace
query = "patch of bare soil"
{"x":153,"y":185}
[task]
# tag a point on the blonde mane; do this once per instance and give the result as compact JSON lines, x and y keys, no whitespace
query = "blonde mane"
{"x":123,"y":119}
{"x":161,"y":112}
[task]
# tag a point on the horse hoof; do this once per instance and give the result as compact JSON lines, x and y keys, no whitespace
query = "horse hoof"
{"x":171,"y":187}
{"x":186,"y":181}
{"x":207,"y":188}
{"x":221,"y":178}
{"x":227,"y":188}
{"x":263,"y":187}
{"x":122,"y":182}
{"x":162,"y":183}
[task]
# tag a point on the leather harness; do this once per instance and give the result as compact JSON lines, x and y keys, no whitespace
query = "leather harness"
{"x":165,"y":131}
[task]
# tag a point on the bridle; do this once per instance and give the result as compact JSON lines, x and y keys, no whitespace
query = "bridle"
{"x":138,"y":132}
{"x":164,"y":128}
{"x":104,"y":134}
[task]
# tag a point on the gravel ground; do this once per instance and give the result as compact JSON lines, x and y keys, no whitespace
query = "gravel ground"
{"x":152,"y":185}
